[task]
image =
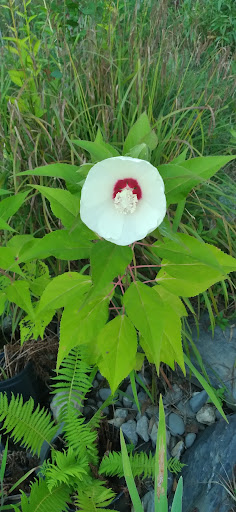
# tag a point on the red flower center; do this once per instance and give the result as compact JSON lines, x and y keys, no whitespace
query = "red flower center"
{"x":132,"y":184}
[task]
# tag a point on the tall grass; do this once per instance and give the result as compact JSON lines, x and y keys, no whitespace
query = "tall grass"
{"x":130,"y":61}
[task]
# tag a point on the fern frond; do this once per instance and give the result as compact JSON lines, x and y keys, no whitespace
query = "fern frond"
{"x":174,"y":465}
{"x":95,"y":497}
{"x":30,"y":428}
{"x":80,"y":437}
{"x":141,"y":464}
{"x":42,"y":500}
{"x":65,"y":469}
{"x":73,"y":381}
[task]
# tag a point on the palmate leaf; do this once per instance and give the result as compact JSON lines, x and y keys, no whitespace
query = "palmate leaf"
{"x":107,"y":261}
{"x":80,"y":324}
{"x":63,"y":244}
{"x":180,"y":178}
{"x":63,"y":204}
{"x":24,"y":424}
{"x":145,"y":310}
{"x":117,"y":344}
{"x":73,"y":381}
{"x":41,"y":499}
{"x":67,"y":172}
{"x":190,"y":266}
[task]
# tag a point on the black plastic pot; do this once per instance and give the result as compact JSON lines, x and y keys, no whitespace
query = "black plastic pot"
{"x":23,"y":383}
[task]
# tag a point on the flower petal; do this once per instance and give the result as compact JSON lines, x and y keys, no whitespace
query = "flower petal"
{"x":103,"y":219}
{"x":97,"y":207}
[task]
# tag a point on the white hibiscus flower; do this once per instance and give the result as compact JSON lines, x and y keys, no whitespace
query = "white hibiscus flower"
{"x":123,"y":199}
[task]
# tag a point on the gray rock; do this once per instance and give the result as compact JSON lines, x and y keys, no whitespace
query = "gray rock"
{"x":129,"y":390}
{"x":206,"y":415}
{"x":90,"y":401}
{"x":198,"y":400}
{"x":129,"y":428}
{"x":88,"y":411}
{"x":173,"y":395}
{"x":152,"y":410}
{"x":126,"y":402}
{"x":105,"y":411}
{"x":95,"y":383}
{"x":142,"y":428}
{"x":176,"y":424}
{"x":142,"y":397}
{"x":153,"y":434}
{"x":121,"y":413}
{"x":104,"y":393}
{"x":99,"y":376}
{"x":118,"y":403}
{"x":178,"y":450}
{"x":185,"y":410}
{"x":218,"y":355}
{"x":117,"y":422}
{"x":148,"y":502}
{"x":60,"y":400}
{"x":210,"y":459}
{"x":99,"y":404}
{"x":189,"y":439}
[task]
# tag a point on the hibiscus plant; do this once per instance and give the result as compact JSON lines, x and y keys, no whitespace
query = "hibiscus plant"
{"x":105,"y":298}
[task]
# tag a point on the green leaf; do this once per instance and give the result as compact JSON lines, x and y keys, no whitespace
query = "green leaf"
{"x":129,"y":477}
{"x":65,"y":288}
{"x":18,"y":292}
{"x":171,"y":347}
{"x":180,"y":178}
{"x":139,"y":133}
{"x":17,"y":77}
{"x":97,"y":151}
{"x":160,"y":494}
{"x":7,"y":260}
{"x":181,"y":157}
{"x":11,"y":205}
{"x":65,"y":171}
{"x":5,"y":226}
{"x":140,"y":151}
{"x":177,"y":501}
{"x":107,"y":262}
{"x":99,"y":140}
{"x":80,"y":324}
{"x":17,"y":242}
{"x":62,"y":244}
{"x":192,"y":266}
{"x":4,"y":192}
{"x":64,"y":205}
{"x":117,"y":343}
{"x":206,"y":386}
{"x":145,"y":310}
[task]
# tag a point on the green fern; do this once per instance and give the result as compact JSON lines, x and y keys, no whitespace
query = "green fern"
{"x":95,"y":497}
{"x":73,"y":381}
{"x":30,"y":428}
{"x":80,"y":437}
{"x":43,"y":500}
{"x":174,"y":465}
{"x":65,"y":469}
{"x":141,"y":464}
